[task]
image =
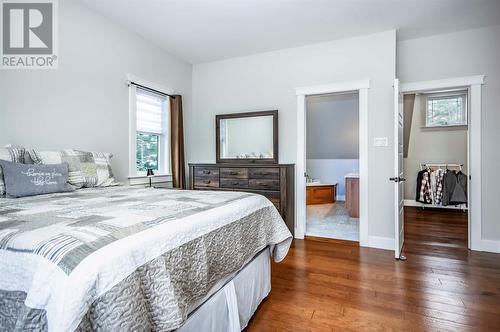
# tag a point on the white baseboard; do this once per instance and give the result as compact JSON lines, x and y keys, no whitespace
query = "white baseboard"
{"x":381,"y":242}
{"x":489,"y":246}
{"x":411,"y":202}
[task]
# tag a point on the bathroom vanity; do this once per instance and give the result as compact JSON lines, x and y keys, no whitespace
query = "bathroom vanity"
{"x":321,"y":193}
{"x":352,"y":194}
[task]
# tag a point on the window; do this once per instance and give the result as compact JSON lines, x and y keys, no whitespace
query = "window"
{"x":149,"y":138}
{"x":446,"y":110}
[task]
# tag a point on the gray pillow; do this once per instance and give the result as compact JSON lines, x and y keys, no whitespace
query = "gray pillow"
{"x":28,"y":180}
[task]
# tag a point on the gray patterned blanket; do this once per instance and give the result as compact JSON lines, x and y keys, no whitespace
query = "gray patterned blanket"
{"x":125,"y":259}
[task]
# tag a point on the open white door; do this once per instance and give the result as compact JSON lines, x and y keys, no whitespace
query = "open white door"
{"x":398,"y":171}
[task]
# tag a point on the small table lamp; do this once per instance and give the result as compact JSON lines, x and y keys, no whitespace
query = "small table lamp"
{"x":150,"y":175}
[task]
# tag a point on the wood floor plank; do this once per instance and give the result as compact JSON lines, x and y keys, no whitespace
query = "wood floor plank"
{"x":338,"y":286}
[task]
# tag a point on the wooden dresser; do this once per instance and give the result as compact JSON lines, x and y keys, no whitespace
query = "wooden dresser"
{"x":276,"y":182}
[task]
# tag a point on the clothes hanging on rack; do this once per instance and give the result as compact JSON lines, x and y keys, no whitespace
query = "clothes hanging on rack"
{"x":455,"y":188}
{"x":432,"y":176}
{"x":424,"y":192}
{"x":441,"y":187}
{"x":438,"y":194}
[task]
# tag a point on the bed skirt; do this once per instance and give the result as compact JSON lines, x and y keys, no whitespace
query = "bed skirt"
{"x":232,"y":306}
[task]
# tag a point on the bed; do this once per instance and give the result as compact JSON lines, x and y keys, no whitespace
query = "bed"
{"x":129,"y":259}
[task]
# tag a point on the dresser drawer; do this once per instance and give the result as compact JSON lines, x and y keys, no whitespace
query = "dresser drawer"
{"x":233,"y":183}
{"x":264,"y":184}
{"x":206,"y":182}
{"x":210,"y":172}
{"x":234,"y":173}
{"x":274,"y":197}
{"x":264,"y":173}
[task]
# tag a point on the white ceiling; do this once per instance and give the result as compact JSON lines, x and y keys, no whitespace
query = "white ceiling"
{"x":205,"y":30}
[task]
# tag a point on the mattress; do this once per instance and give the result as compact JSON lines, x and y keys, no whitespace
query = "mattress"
{"x":125,"y":258}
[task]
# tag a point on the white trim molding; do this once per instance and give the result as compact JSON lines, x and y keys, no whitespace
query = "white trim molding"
{"x":490,"y":246}
{"x":475,"y":176}
{"x":381,"y":242}
{"x":448,"y":83}
{"x":474,"y":85}
{"x":335,"y":87}
{"x":361,"y":87}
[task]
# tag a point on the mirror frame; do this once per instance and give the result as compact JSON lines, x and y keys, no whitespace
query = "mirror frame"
{"x":274,"y":160}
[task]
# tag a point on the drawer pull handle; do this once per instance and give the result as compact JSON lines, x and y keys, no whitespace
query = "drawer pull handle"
{"x":234,"y":183}
{"x":206,"y":172}
{"x":233,"y":173}
{"x":207,"y":181}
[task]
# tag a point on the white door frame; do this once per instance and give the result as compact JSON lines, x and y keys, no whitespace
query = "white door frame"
{"x":361,"y":87}
{"x":473,"y":83}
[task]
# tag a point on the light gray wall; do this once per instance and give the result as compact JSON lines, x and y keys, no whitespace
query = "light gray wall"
{"x":431,"y":145}
{"x":84,"y":103}
{"x":332,"y":171}
{"x":268,"y":81}
{"x":470,"y":52}
{"x":332,"y":123}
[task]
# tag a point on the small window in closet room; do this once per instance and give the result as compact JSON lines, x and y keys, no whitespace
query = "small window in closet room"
{"x":435,"y":162}
{"x":446,"y":109}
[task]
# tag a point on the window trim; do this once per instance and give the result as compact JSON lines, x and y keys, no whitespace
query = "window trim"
{"x":164,"y":167}
{"x":445,"y":95}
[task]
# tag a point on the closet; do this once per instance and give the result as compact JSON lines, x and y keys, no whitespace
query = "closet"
{"x":435,"y":159}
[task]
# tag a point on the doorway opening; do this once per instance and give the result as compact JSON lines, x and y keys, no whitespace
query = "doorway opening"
{"x":332,"y":166}
{"x":452,"y":109}
{"x":435,"y":164}
{"x":361,"y":88}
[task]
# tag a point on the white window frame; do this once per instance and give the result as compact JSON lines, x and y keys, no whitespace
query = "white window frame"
{"x":164,"y":162}
{"x":444,"y":95}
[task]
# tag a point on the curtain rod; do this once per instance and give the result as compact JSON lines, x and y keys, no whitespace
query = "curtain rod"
{"x":149,"y":89}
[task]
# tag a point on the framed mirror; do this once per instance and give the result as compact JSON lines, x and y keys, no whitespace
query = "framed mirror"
{"x":250,"y":137}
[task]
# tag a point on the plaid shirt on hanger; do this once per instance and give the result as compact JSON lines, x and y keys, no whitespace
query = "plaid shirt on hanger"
{"x":425,"y":189}
{"x":438,"y":194}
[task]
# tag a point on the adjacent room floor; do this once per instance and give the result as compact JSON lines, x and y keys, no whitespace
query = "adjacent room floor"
{"x":328,"y":286}
{"x":331,"y":221}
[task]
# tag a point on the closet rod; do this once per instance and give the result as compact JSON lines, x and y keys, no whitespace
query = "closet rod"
{"x":423,"y":165}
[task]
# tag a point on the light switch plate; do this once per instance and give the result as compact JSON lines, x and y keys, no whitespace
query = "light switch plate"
{"x":380,"y":141}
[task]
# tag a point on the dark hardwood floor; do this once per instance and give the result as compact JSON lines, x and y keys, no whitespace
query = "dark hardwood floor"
{"x":324,"y":286}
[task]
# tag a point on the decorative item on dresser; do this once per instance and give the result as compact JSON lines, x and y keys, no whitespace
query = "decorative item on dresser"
{"x":276,"y":182}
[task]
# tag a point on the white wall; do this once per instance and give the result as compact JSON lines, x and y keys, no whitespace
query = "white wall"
{"x":471,"y":52}
{"x":332,"y":126}
{"x":268,"y":81}
{"x":431,"y":145}
{"x":84,"y":103}
{"x":332,"y":171}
